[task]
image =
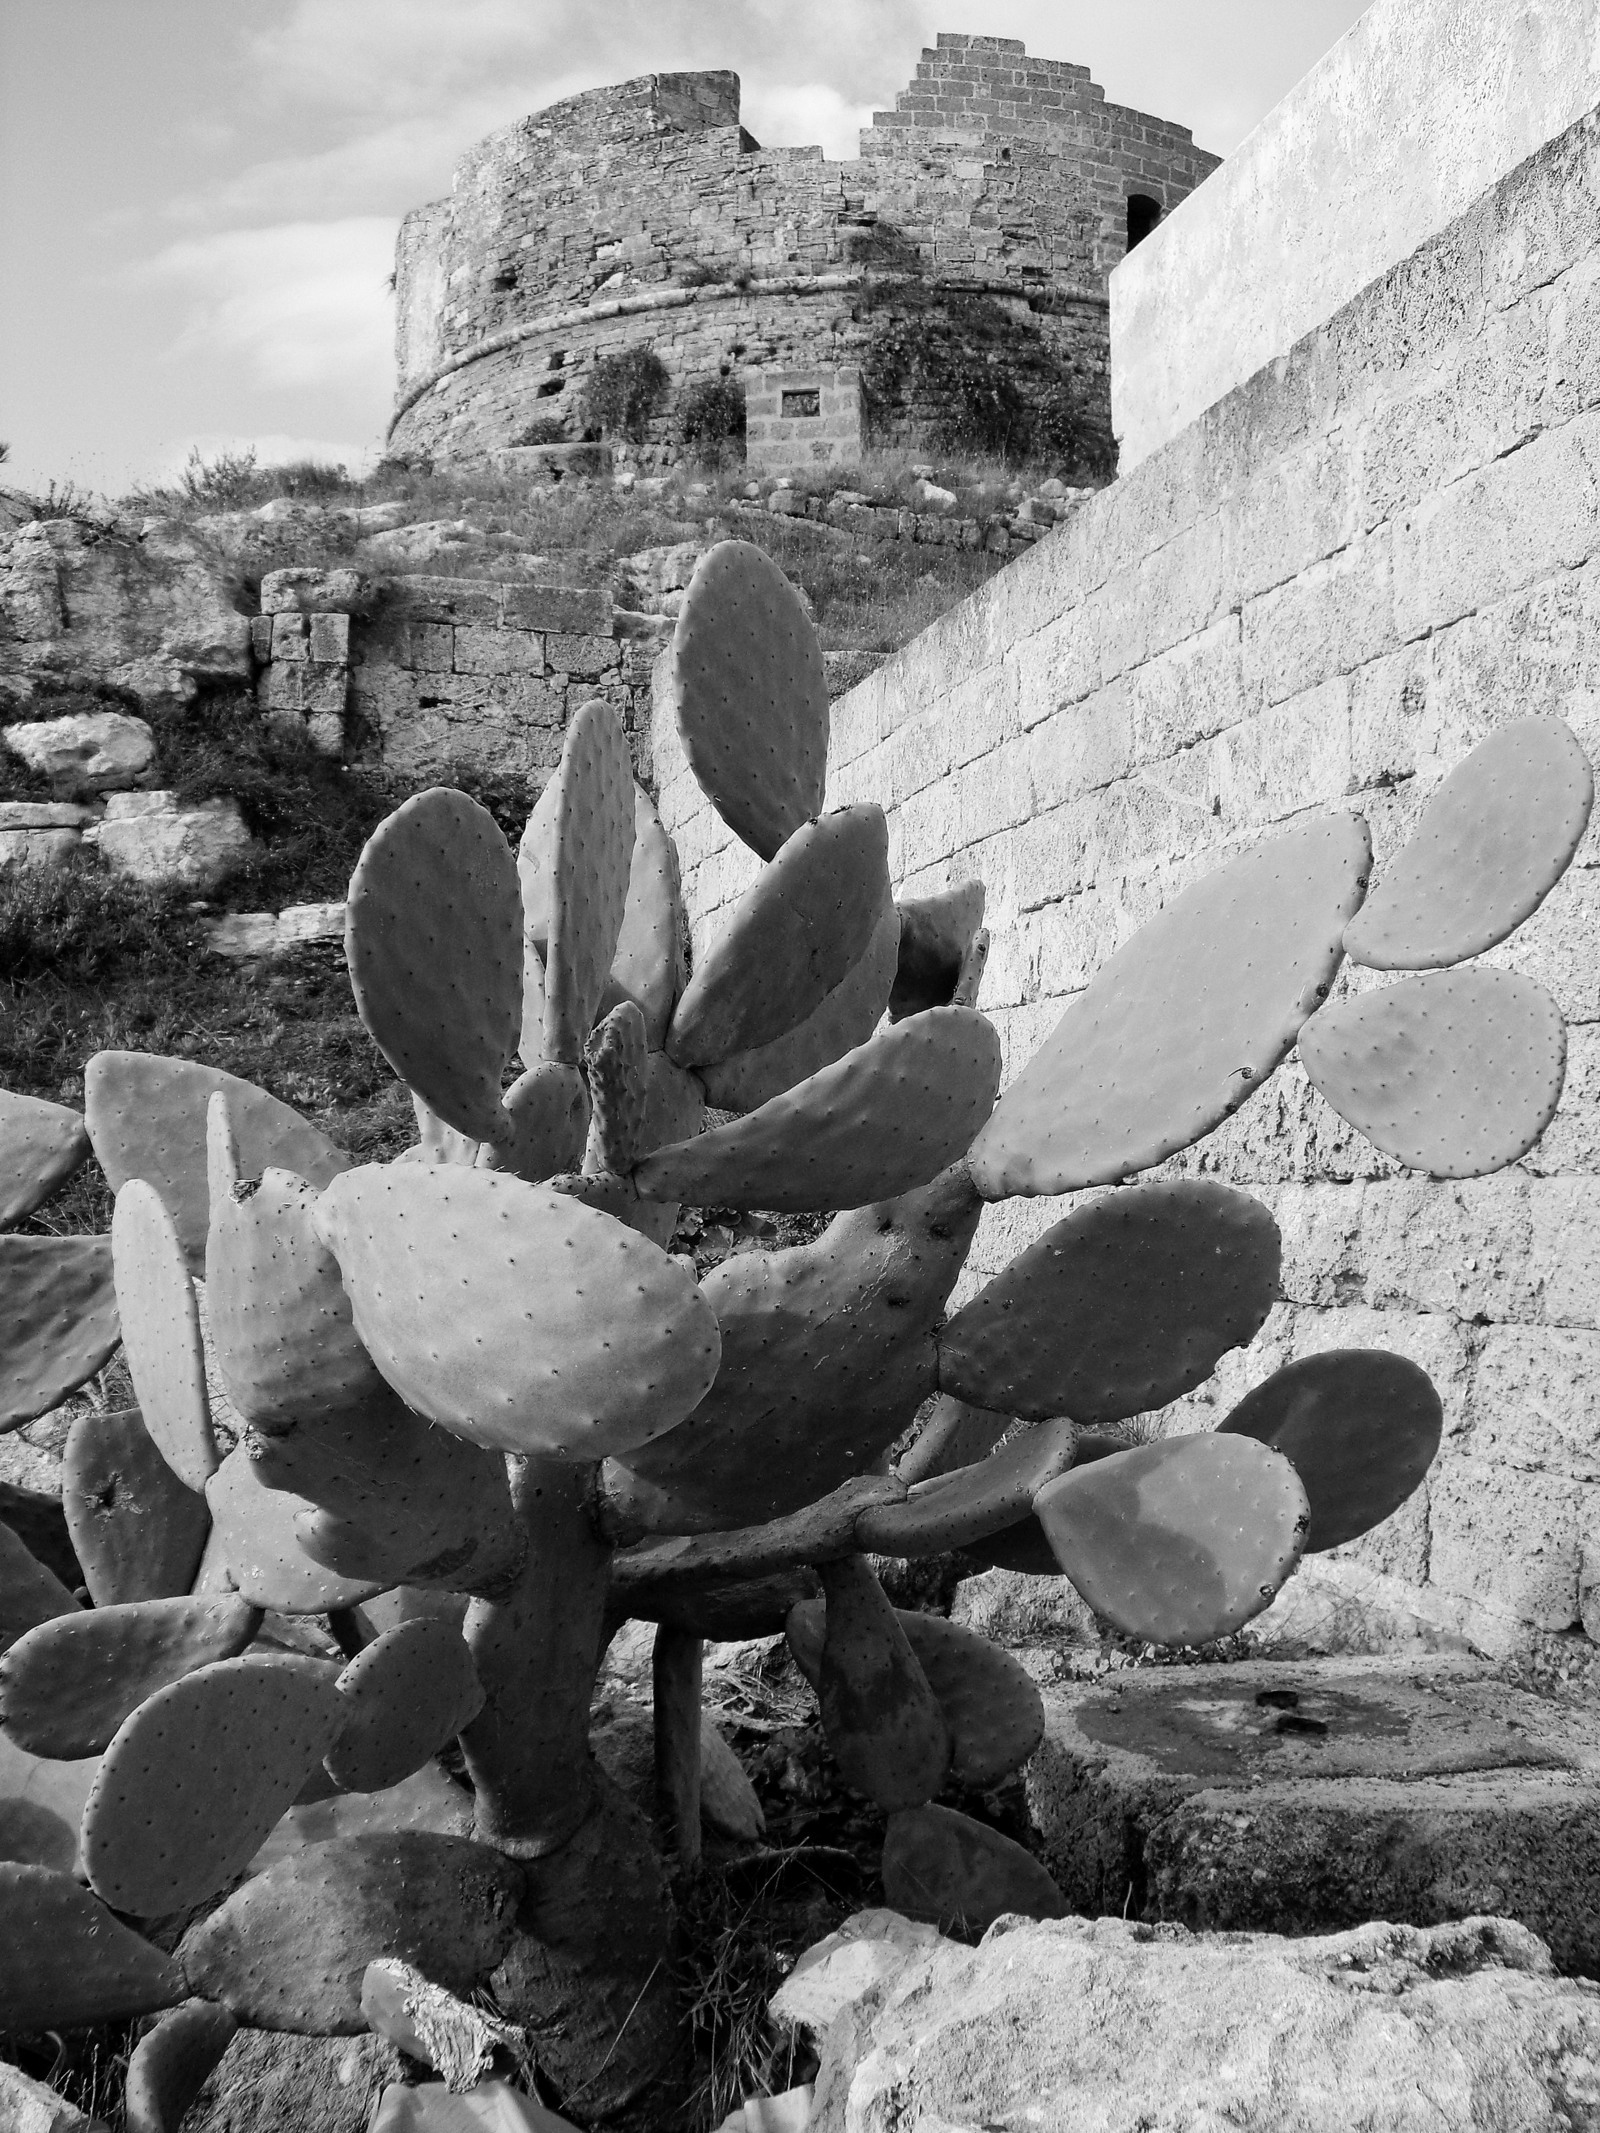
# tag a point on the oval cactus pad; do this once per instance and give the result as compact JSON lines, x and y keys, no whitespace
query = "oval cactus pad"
{"x":1179,"y":1541}
{"x":147,"y":1119}
{"x":590,"y":863}
{"x":41,"y":1145}
{"x":935,"y":935}
{"x":29,"y":1592}
{"x":846,"y":1018}
{"x":253,"y":1537}
{"x":433,"y":936}
{"x":161,"y":1333}
{"x":198,"y":1775}
{"x":58,"y":1321}
{"x":961,"y":1875}
{"x":648,"y":966}
{"x":751,"y":695}
{"x":1491,"y":844}
{"x":170,"y":2064}
{"x":1360,"y":1427}
{"x":882,"y":1120}
{"x":518,"y":1317}
{"x":138,"y":1531}
{"x":882,"y":1720}
{"x":801,"y":927}
{"x":289,"y":1949}
{"x":65,"y":1962}
{"x":67,"y":1686}
{"x":1120,"y":1308}
{"x":1457,"y":1072}
{"x":1184,"y":1021}
{"x":409,"y":1692}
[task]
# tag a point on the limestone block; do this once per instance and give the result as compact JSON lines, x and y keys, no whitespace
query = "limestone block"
{"x":291,"y":637}
{"x":309,"y":591}
{"x":96,"y":750}
{"x":1110,"y":2022}
{"x":1332,"y":618}
{"x":330,"y":639}
{"x":482,"y":650}
{"x":149,"y":837}
{"x":264,"y":933}
{"x":585,"y":658}
{"x":1510,"y":1539}
{"x":570,"y":610}
{"x":261,"y":627}
{"x":38,"y":848}
{"x":307,"y":691}
{"x":1535,"y":1402}
{"x":29,"y":2106}
{"x":666,"y":568}
{"x":442,"y":600}
{"x":30,"y":586}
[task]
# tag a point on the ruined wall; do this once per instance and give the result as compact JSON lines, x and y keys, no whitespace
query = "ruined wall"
{"x":1321,"y":594}
{"x":645,"y":213}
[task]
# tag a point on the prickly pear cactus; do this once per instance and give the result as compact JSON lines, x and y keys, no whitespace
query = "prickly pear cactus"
{"x":488,"y":1415}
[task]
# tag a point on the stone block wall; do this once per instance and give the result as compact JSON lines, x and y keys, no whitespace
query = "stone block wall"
{"x":645,"y":213}
{"x":1321,"y":594}
{"x":431,"y":675}
{"x":800,"y":419}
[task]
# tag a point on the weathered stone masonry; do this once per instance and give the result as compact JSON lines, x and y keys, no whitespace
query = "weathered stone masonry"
{"x":645,"y":213}
{"x":1322,"y":593}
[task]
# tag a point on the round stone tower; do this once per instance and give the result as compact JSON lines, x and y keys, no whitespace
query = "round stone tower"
{"x":958,"y":266}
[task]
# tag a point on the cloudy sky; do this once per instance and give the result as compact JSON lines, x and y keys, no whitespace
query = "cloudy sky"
{"x":198,"y":198}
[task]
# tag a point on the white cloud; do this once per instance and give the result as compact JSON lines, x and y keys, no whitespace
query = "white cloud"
{"x":811,"y":113}
{"x":302,"y":304}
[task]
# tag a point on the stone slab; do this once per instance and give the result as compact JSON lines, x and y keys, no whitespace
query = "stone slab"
{"x":1294,"y":1798}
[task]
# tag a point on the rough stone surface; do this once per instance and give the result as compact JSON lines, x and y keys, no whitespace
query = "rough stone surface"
{"x":28,"y":2106}
{"x":305,"y":590}
{"x":243,"y":934}
{"x":90,"y":608}
{"x":1104,"y":2026}
{"x":265,"y":2082}
{"x":93,"y":751}
{"x":1295,"y":1798}
{"x":41,"y":833}
{"x":1322,"y":594}
{"x":150,"y":837}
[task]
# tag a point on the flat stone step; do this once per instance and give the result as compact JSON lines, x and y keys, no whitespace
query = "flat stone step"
{"x":1302,"y":1798}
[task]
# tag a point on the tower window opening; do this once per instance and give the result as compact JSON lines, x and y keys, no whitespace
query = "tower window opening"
{"x":1143,"y":215}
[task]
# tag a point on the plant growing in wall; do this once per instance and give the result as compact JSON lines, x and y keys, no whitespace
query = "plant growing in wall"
{"x":623,"y":391}
{"x":711,"y":417}
{"x":483,"y":1416}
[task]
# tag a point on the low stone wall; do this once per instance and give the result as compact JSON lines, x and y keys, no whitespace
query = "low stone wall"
{"x":429,"y":676}
{"x":1320,"y":595}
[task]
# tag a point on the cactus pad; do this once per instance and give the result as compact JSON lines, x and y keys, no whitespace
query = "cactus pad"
{"x":67,"y":1686}
{"x":961,"y":1875}
{"x":408,"y":1693}
{"x":747,"y":684}
{"x":254,"y":1538}
{"x":29,"y":1593}
{"x":846,"y":1018}
{"x":590,"y":861}
{"x":515,"y":1316}
{"x":882,"y":1719}
{"x":41,"y":1145}
{"x":1359,"y":1426}
{"x":728,"y":1800}
{"x":170,"y":2065}
{"x":952,"y":1509}
{"x":615,"y":1061}
{"x":883,"y":1120}
{"x":433,"y":935}
{"x":1120,"y":1308}
{"x":1491,"y":844}
{"x":437,"y":1142}
{"x":827,"y":1353}
{"x":1180,"y":1541}
{"x":138,"y":1531}
{"x":544,"y":1116}
{"x":935,"y":934}
{"x":1184,"y":1021}
{"x":289,"y":1949}
{"x":161,"y":1333}
{"x":199,"y":1773}
{"x":58,"y":1321}
{"x":1457,"y":1072}
{"x":797,"y":931}
{"x":954,"y":1435}
{"x":147,"y":1119}
{"x":991,"y":1706}
{"x":649,"y":960}
{"x":65,"y":1962}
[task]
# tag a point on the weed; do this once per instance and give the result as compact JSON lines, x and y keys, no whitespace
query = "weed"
{"x":711,"y":416}
{"x":623,"y":391}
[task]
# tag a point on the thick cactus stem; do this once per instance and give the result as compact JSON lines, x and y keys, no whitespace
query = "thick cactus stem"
{"x":676,"y":1674}
{"x":537,"y":1650}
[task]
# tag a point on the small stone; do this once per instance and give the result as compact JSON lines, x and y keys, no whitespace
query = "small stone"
{"x":98,"y":750}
